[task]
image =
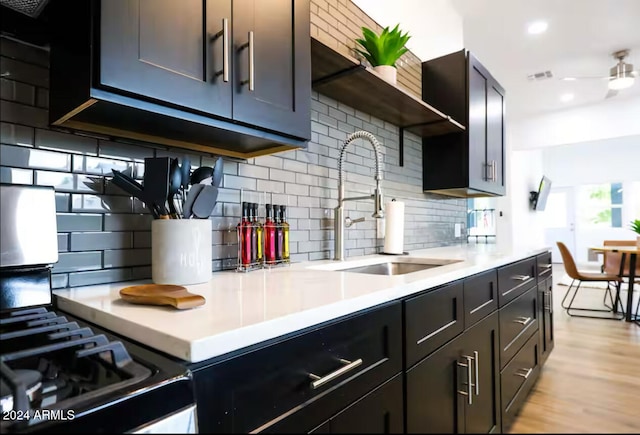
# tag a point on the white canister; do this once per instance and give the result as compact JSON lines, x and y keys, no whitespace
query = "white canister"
{"x":180,"y":251}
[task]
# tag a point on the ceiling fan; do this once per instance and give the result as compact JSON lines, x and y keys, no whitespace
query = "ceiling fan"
{"x":621,"y":75}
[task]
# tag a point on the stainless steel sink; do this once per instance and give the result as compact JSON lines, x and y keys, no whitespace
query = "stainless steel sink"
{"x":399,"y":267}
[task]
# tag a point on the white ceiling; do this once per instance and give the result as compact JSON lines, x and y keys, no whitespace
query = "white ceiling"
{"x":579,"y":41}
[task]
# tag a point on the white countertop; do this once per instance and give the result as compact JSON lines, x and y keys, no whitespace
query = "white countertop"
{"x":243,"y":309}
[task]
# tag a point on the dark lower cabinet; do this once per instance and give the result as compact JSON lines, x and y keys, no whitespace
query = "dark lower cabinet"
{"x":457,"y":388}
{"x":434,"y":401}
{"x":295,"y":385}
{"x":380,"y":411}
{"x":481,"y":344}
{"x":545,"y":308}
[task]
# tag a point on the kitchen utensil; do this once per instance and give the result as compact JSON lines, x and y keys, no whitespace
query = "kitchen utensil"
{"x":161,"y":294}
{"x":175,"y":181}
{"x":135,"y":189}
{"x":200,"y":174}
{"x":217,"y":172}
{"x":205,"y":202}
{"x":156,"y":181}
{"x":192,"y":194}
{"x":185,"y":169}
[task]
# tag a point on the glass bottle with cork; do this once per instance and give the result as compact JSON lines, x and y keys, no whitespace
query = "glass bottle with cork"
{"x":269,"y":236}
{"x":285,"y":231}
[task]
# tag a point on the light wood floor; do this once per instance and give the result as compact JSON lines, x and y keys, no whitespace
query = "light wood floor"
{"x":591,"y":381}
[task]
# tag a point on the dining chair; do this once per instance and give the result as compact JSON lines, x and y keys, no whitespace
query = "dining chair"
{"x":573,"y":272}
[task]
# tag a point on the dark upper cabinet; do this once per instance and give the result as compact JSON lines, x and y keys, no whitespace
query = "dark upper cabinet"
{"x":273,"y":57}
{"x":230,"y":77}
{"x":139,"y":54}
{"x":470,"y":163}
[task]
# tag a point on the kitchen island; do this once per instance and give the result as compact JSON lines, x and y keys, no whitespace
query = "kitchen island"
{"x":311,"y":348}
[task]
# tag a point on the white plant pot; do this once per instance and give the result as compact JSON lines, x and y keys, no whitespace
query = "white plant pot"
{"x":387,"y":72}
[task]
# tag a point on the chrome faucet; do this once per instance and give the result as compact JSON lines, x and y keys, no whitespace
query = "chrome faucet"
{"x":338,"y":212}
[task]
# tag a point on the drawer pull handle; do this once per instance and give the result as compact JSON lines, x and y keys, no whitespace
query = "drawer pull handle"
{"x":546,"y":266}
{"x":526,"y":373}
{"x":469,"y":392}
{"x":320,"y":381}
{"x":521,"y":277}
{"x":523,"y":320}
{"x":436,"y":332}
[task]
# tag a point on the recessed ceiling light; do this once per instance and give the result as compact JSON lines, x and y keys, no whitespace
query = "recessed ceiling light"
{"x":537,"y":27}
{"x":565,"y":98}
{"x":569,"y":79}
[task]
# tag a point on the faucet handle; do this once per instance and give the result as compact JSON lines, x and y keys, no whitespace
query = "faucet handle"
{"x":348,"y":221}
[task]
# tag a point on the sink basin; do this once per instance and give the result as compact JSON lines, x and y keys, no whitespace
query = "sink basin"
{"x":398,"y":267}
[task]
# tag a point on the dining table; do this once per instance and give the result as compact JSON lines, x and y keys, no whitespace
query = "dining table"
{"x":633,"y":252}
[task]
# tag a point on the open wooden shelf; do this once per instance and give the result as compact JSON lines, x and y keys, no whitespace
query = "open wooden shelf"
{"x":347,"y":80}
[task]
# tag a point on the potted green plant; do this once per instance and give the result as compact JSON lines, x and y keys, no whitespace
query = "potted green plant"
{"x":382,"y":51}
{"x":635,"y":227}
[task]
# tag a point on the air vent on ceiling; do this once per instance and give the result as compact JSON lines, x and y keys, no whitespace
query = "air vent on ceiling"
{"x":540,"y":76}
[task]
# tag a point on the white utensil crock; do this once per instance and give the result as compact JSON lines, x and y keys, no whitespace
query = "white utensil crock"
{"x":181,"y":251}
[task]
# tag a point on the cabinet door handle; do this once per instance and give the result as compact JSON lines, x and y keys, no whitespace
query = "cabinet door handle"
{"x":526,"y":373}
{"x":476,"y":359}
{"x":469,"y":392}
{"x":523,"y":320}
{"x":488,"y":171}
{"x":521,"y":277}
{"x":320,"y":381}
{"x":224,"y":33}
{"x":494,"y":167}
{"x":548,"y":304}
{"x":251,"y":80}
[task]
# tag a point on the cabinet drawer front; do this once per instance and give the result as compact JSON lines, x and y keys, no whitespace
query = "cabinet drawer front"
{"x":431,"y":320}
{"x":518,"y":321}
{"x":515,"y":279}
{"x":296,"y":384}
{"x":480,"y":296}
{"x":517,"y":378}
{"x":543,"y":266}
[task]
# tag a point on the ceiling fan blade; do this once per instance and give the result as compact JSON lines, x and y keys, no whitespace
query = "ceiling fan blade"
{"x":611,"y":93}
{"x":585,"y":78}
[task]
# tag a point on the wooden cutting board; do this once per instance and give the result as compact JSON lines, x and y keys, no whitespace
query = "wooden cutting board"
{"x":161,"y":294}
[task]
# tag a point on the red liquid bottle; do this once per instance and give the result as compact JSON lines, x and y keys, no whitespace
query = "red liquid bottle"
{"x":269,"y":237}
{"x":245,"y":239}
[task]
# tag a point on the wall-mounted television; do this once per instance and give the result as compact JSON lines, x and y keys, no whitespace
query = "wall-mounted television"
{"x":539,"y":199}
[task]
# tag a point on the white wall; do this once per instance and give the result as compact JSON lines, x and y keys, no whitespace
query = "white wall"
{"x":435,"y":26}
{"x":601,"y":161}
{"x":617,"y":117}
{"x":519,"y":226}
